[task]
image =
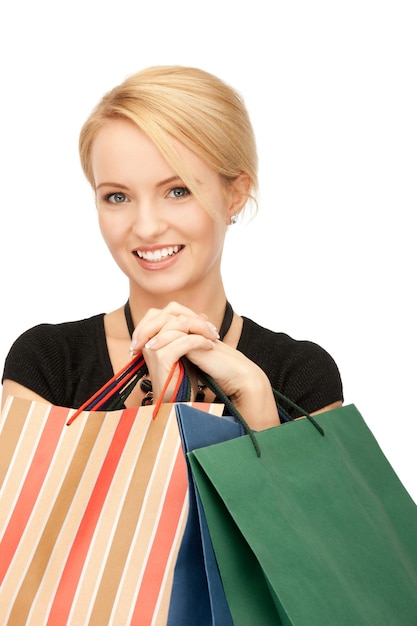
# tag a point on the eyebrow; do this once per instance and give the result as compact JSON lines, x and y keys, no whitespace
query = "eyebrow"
{"x":167,"y":181}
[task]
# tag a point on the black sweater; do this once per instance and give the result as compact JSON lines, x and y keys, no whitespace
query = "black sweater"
{"x":67,"y":363}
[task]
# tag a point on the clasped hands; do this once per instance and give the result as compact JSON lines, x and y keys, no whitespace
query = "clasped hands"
{"x":166,"y":335}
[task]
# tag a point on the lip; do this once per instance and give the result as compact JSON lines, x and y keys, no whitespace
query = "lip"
{"x":164,"y":262}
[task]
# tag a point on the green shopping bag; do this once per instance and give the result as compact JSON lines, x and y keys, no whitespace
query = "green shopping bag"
{"x":317,"y":531}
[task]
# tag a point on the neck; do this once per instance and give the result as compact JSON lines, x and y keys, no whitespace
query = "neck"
{"x":211,"y":303}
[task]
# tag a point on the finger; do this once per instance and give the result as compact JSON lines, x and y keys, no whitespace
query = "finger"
{"x":161,"y":360}
{"x":172,"y":309}
{"x":178,"y":343}
{"x":191,"y":326}
{"x":157,"y":329}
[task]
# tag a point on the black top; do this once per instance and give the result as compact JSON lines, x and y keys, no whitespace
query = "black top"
{"x":67,"y":363}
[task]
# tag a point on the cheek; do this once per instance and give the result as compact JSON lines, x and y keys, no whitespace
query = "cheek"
{"x":208,"y":233}
{"x":212,"y":236}
{"x":112,"y":229}
{"x":199,"y":222}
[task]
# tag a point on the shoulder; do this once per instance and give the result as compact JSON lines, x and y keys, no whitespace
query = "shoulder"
{"x":59,"y":337}
{"x":300,"y":369}
{"x":50,"y":358}
{"x":263,"y":341}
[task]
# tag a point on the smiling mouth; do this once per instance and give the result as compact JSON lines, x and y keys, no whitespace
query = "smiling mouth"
{"x":158,"y":255}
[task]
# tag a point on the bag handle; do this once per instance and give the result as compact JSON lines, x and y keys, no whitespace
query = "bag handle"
{"x":279,"y":397}
{"x":121,"y":384}
{"x":115,"y":391}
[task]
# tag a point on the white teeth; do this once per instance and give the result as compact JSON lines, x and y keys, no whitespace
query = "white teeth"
{"x":158,"y":255}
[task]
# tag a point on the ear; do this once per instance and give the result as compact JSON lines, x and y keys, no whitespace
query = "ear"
{"x":239,"y":193}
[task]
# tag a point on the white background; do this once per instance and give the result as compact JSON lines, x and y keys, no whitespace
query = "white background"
{"x":332,"y":92}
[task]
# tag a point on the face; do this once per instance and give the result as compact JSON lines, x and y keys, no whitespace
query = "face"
{"x":156,"y":230}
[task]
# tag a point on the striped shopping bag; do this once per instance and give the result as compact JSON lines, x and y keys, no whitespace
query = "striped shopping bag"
{"x":91,"y":514}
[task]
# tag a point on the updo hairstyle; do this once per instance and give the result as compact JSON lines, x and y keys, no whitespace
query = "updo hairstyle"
{"x":190,"y":105}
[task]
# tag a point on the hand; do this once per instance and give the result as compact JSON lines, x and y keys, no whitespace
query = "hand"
{"x":164,"y":336}
{"x":246,"y":384}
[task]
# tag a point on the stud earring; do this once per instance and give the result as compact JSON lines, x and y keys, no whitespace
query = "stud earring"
{"x":234,"y":219}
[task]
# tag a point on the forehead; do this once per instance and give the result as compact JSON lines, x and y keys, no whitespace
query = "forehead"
{"x":122,"y":149}
{"x":120,"y":138}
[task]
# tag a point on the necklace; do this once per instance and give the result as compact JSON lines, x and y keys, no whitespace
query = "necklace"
{"x":146,"y":383}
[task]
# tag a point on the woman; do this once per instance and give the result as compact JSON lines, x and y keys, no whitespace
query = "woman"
{"x":171,"y":157}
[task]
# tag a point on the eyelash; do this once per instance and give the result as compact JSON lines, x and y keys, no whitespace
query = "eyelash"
{"x":108,"y":197}
{"x":184,"y":193}
{"x":185,"y":190}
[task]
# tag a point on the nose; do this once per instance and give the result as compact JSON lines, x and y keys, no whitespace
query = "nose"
{"x":148,"y":222}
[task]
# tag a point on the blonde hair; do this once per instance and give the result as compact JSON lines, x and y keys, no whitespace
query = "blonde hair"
{"x":187,"y":104}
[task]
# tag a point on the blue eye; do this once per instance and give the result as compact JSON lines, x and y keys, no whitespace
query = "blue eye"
{"x":116,"y":198}
{"x":179,"y":192}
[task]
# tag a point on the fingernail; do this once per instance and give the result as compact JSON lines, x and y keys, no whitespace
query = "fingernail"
{"x":213,"y":330}
{"x":132,"y":347}
{"x":150,"y":343}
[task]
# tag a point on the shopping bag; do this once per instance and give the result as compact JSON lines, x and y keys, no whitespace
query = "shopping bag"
{"x":316,"y":530}
{"x":91,"y":513}
{"x":197,"y":595}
